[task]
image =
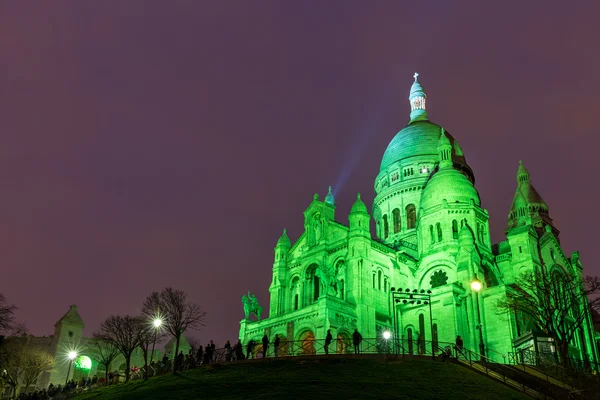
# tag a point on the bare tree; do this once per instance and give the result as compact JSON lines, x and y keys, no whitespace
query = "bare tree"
{"x":35,"y":363}
{"x":193,"y":342}
{"x":7,"y":315}
{"x":125,"y":333}
{"x":104,"y":352}
{"x":178,"y":315}
{"x":12,"y":358}
{"x":558,"y":303}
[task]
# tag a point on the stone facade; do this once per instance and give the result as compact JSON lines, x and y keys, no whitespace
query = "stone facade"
{"x":431,"y":233}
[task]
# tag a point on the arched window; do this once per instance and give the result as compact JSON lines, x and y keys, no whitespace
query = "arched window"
{"x":454,"y":229}
{"x":438,"y":227}
{"x":409,"y":335}
{"x":342,"y":289}
{"x":421,"y":334}
{"x":295,"y":290}
{"x":434,"y":336}
{"x":312,"y":288}
{"x":379,"y":280}
{"x":373,"y":280}
{"x":411,"y":216}
{"x":385,"y":284}
{"x":396,"y":219}
{"x":386,"y":227}
{"x":431,"y":235}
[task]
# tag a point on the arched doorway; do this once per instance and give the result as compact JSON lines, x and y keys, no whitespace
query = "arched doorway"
{"x":307,"y":343}
{"x":284,"y":346}
{"x":343,"y":343}
{"x":409,"y":336}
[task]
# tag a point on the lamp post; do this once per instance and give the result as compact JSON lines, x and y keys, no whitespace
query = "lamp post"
{"x":157,"y":323}
{"x":476,"y":286}
{"x":71,"y":356}
{"x":414,"y":296}
{"x":386,"y":336}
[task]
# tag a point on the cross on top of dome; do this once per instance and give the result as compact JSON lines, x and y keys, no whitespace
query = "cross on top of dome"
{"x":415,"y":76}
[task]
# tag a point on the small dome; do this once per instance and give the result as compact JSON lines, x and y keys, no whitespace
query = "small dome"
{"x":450,"y":185}
{"x":284,"y":240}
{"x":358,"y":206}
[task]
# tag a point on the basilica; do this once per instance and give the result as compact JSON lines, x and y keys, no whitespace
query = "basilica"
{"x":431,"y":235}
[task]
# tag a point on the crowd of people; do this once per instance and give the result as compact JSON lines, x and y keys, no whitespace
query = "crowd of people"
{"x":206,"y":355}
{"x":54,"y":392}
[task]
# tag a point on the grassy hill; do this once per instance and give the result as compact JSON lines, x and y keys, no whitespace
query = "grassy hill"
{"x":315,"y":378}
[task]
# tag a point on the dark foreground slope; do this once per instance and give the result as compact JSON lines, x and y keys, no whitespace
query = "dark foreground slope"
{"x":315,"y":379}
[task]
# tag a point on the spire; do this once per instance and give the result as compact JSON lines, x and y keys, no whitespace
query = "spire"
{"x":417,"y":98}
{"x":329,"y":198}
{"x":284,"y":240}
{"x":358,"y":206}
{"x":522,"y":174}
{"x":444,"y":150}
{"x":528,"y":207}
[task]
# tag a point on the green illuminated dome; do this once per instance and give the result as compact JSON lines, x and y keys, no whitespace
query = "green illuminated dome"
{"x":358,"y":206}
{"x":420,"y":137}
{"x":284,"y":240}
{"x":447,"y":183}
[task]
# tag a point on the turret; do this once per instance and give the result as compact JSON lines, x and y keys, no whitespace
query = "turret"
{"x":528,"y":207}
{"x":417,"y":99}
{"x":329,"y":199}
{"x":282,"y":247}
{"x":359,"y":219}
{"x":277,"y":288}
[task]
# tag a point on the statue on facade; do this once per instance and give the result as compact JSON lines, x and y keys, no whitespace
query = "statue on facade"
{"x":251,"y":305}
{"x":329,"y":278}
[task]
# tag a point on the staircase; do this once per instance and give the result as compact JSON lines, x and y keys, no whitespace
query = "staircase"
{"x":524,"y":378}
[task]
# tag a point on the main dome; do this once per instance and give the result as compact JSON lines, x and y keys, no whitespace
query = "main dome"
{"x":420,"y":137}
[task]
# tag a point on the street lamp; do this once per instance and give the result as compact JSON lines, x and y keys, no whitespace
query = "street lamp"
{"x":418,"y":297}
{"x":72,"y":355}
{"x":157,"y":323}
{"x":476,"y":287}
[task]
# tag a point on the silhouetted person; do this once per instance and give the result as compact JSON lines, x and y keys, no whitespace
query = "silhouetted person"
{"x":227,"y":351}
{"x":179,"y":361}
{"x":459,"y":345}
{"x":238,"y":350}
{"x":207,"y":354}
{"x":250,"y":350}
{"x":328,"y":340}
{"x":265,"y":342}
{"x":356,"y":339}
{"x":420,"y":343}
{"x":276,"y":345}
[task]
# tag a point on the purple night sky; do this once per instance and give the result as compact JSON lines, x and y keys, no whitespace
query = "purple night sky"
{"x":147,"y":144}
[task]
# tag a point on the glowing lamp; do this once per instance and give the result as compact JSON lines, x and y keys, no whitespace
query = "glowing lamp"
{"x":83,"y":362}
{"x":387,"y":335}
{"x":476,"y":285}
{"x":157,"y":322}
{"x":72,"y":355}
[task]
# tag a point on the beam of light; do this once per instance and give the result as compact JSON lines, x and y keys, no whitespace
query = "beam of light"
{"x":371,"y":124}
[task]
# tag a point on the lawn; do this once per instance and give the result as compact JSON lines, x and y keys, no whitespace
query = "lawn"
{"x":315,"y":378}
